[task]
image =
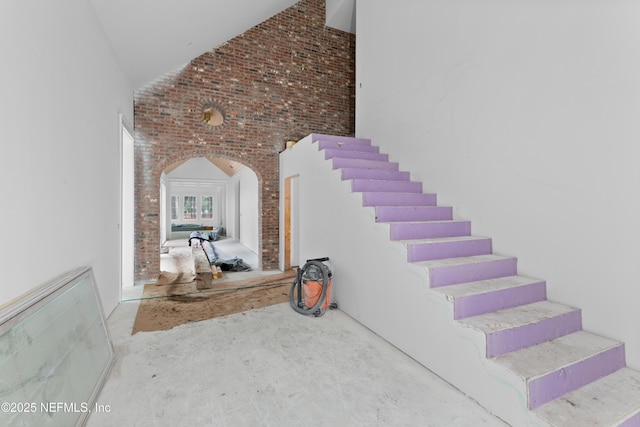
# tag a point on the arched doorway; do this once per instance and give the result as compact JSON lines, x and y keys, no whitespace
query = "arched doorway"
{"x":147,"y":202}
{"x":211,"y":193}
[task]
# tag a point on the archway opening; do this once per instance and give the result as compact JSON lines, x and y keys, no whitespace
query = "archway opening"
{"x":215,"y":196}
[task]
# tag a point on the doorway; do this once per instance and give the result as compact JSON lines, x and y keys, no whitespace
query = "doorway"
{"x":210,"y":194}
{"x":127,"y":242}
{"x":291,"y":223}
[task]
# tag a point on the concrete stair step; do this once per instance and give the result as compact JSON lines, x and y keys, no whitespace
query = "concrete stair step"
{"x":381,"y":198}
{"x":613,"y":400}
{"x":564,"y":364}
{"x":315,"y":137}
{"x":429,"y":229}
{"x":331,"y":153}
{"x":515,"y":328}
{"x":359,"y":173}
{"x":485,"y":296}
{"x":373,"y":185}
{"x":345,"y":145}
{"x":452,"y":271}
{"x":413,"y":213}
{"x":343,"y":162}
{"x":446,"y":247}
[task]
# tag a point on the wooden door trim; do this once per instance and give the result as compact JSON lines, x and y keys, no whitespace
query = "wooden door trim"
{"x":287,"y":221}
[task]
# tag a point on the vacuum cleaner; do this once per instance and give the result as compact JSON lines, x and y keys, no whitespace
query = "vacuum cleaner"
{"x":311,"y":290}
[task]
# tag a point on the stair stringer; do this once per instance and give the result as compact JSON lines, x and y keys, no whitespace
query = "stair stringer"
{"x":375,"y":284}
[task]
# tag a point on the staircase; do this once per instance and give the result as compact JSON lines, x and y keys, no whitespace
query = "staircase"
{"x":564,"y":375}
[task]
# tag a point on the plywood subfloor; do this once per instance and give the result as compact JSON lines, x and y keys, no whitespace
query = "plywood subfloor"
{"x":163,"y":307}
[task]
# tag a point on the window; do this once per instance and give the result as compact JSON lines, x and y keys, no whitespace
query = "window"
{"x":195,"y":202}
{"x":206,"y":207}
{"x":174,"y":207}
{"x":190,"y":209}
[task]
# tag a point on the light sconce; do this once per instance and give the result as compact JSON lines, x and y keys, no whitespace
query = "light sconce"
{"x":213,"y":116}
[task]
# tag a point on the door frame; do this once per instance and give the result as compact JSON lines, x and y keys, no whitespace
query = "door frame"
{"x":127,"y":203}
{"x":291,"y":243}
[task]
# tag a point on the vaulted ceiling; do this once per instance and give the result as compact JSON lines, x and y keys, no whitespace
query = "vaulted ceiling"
{"x":153,"y":37}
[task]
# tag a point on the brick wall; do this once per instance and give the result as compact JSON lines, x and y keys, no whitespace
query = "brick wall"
{"x":281,"y":80}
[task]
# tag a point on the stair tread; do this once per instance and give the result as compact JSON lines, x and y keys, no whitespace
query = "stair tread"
{"x":374,"y":174}
{"x":607,"y":401}
{"x":342,"y":153}
{"x":393,"y":206}
{"x":315,"y":137}
{"x":358,"y":158}
{"x":517,"y":316}
{"x":397,"y":198}
{"x":400,"y":214}
{"x":485,"y":286}
{"x":426,"y":228}
{"x":441,"y":239}
{"x":415,"y":207}
{"x":346,"y":149}
{"x":434,"y":221}
{"x":475,"y":259}
{"x":537,"y":360}
{"x":404,"y":181}
{"x":395,"y":193}
{"x":363,"y":163}
{"x":386,"y":185}
{"x":350,"y":146}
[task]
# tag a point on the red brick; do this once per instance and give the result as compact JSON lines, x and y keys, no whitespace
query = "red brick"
{"x":281,"y":80}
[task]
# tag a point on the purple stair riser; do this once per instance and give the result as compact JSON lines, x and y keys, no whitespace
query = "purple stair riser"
{"x":358,"y":173}
{"x":634,"y":421}
{"x":363,"y":185}
{"x":472,"y":272}
{"x":344,"y":154}
{"x":413,"y":213}
{"x":555,"y":384}
{"x":346,"y":139}
{"x":513,"y":339}
{"x":417,"y":252}
{"x":341,"y":162}
{"x":474,"y":305}
{"x":398,"y":199}
{"x":323,"y":145}
{"x":429,"y":230}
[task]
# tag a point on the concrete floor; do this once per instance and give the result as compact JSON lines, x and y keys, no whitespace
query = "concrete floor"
{"x":272,"y":367}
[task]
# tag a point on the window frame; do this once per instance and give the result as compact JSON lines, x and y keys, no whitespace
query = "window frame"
{"x":193,"y":210}
{"x":202,"y":205}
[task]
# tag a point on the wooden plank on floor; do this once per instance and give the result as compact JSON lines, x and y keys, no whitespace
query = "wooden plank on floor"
{"x":204,"y":276}
{"x":284,"y":277}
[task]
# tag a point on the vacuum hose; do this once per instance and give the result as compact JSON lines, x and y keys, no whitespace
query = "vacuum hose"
{"x":312,"y":272}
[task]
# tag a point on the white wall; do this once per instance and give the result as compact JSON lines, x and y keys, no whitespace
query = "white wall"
{"x":233,"y":209}
{"x":249,"y":211}
{"x":61,"y":91}
{"x":524,"y":115}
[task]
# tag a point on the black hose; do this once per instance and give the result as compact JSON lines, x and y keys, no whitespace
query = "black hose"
{"x":296,"y":299}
